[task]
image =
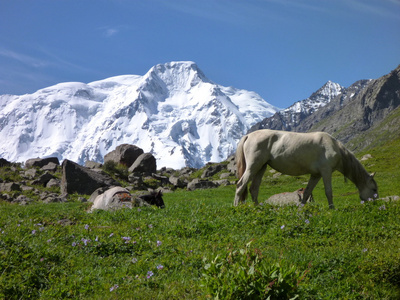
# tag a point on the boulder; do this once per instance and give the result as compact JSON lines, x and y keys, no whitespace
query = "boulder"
{"x":40,"y":162}
{"x":177,"y":182}
{"x":78,"y":179}
{"x":200,"y":184}
{"x":145,"y":164}
{"x":51,"y":167}
{"x":212,"y":170}
{"x":93,"y":165}
{"x":288,"y":198}
{"x":43,"y":179}
{"x":124,"y":154}
{"x":9,"y":187}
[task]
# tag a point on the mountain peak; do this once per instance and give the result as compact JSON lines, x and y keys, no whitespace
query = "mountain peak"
{"x":173,"y":111}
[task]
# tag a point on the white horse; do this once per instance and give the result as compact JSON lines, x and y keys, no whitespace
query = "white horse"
{"x":292,"y":153}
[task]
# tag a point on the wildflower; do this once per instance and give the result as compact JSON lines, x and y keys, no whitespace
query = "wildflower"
{"x":139,"y":210}
{"x":49,"y":240}
{"x":362,"y":201}
{"x":33,"y":231}
{"x":96,"y":239}
{"x":160,"y":267}
{"x":85,"y":241}
{"x":73,"y":244}
{"x":149,"y":274}
{"x":114,"y":287}
{"x":42,"y":259}
{"x":41,"y":228}
{"x":134,"y":260}
{"x":159,"y":243}
{"x":283,"y":226}
{"x":126,"y":239}
{"x":307,"y":221}
{"x":365,"y":250}
{"x":111,"y":234}
{"x":383,"y":207}
{"x":375,"y":196}
{"x":86,"y":226}
{"x":137,"y":228}
{"x":150,"y":226}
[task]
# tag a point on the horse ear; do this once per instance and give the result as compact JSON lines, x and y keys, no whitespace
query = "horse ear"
{"x":372,"y":175}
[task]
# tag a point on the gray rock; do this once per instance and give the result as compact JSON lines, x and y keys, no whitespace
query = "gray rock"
{"x":43,"y":179}
{"x":53,"y":183}
{"x":145,"y":164}
{"x":40,"y":162}
{"x":9,"y":187}
{"x":177,"y":182}
{"x":93,"y":165}
{"x":78,"y":179}
{"x":51,"y":167}
{"x":124,"y":154}
{"x":212,"y":170}
{"x":200,"y":184}
{"x":31,"y":173}
{"x":4,"y":163}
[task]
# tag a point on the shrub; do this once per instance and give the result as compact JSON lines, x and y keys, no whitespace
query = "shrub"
{"x":245,"y":274}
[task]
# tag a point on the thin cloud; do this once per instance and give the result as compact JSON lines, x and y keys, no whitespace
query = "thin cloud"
{"x":376,"y":7}
{"x":23,"y":58}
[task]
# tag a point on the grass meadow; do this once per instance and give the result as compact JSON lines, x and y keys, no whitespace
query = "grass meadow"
{"x":201,"y":247}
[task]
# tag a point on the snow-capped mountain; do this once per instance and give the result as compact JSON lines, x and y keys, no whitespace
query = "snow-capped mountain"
{"x":173,"y":111}
{"x":291,"y":117}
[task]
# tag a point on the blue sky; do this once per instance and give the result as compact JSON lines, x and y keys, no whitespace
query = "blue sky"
{"x":282,"y":49}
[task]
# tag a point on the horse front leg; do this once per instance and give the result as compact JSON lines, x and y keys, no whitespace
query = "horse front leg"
{"x":314,"y":179}
{"x":328,"y":189}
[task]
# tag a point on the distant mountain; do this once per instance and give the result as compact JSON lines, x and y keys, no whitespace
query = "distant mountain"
{"x":290,"y":118}
{"x":368,"y":118}
{"x":363,"y":115}
{"x":174,"y":111}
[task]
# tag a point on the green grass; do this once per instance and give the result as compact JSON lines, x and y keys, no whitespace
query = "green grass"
{"x":200,"y":240}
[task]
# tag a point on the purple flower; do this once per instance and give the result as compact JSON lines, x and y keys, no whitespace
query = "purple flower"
{"x":149,"y":274}
{"x":86,"y":226}
{"x":139,"y":210}
{"x":383,"y":207}
{"x":85,"y":241}
{"x":160,"y":267}
{"x":111,"y":234}
{"x":283,"y":226}
{"x":150,"y":225}
{"x":307,"y":221}
{"x":41,"y":228}
{"x":365,"y":250}
{"x":73,"y":244}
{"x":134,"y":260}
{"x":114,"y":287}
{"x":159,"y":243}
{"x":96,"y":239}
{"x":362,"y":201}
{"x":126,"y":239}
{"x":33,"y":231}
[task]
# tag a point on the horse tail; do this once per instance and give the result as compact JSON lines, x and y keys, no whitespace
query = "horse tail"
{"x":240,"y":159}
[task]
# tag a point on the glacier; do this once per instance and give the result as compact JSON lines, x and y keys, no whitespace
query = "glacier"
{"x":173,"y":111}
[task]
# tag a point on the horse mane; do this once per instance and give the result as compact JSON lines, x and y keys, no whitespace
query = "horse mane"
{"x":351,"y":167}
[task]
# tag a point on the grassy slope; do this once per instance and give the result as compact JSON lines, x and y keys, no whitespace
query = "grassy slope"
{"x":349,"y":253}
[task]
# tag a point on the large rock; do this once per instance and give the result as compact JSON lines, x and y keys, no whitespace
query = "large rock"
{"x":40,"y":162}
{"x":212,"y":170}
{"x":124,"y":154}
{"x":145,"y":164}
{"x":200,"y":184}
{"x":78,"y":179}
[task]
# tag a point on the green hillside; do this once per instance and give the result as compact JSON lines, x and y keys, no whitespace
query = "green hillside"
{"x":201,"y":247}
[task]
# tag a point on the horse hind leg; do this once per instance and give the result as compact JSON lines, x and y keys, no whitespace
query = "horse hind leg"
{"x":314,"y":179}
{"x":241,"y":188}
{"x":255,"y":184}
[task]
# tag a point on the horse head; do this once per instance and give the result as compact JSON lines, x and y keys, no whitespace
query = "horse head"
{"x":158,"y":200}
{"x":370,"y":189}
